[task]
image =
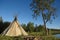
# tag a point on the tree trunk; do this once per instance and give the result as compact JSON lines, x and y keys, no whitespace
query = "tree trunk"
{"x":44,"y":23}
{"x":45,"y":28}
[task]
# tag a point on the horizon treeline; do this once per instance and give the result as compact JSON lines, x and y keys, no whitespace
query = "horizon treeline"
{"x":29,"y":27}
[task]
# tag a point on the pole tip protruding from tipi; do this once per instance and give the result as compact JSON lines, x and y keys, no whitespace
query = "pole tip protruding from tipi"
{"x":15,"y":18}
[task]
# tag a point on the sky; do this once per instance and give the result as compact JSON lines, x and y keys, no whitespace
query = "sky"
{"x":21,"y":8}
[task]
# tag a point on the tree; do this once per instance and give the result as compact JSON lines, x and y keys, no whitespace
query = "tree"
{"x":45,"y":9}
{"x":39,"y":28}
{"x":36,"y":28}
{"x":30,"y":27}
{"x":1,"y":24}
{"x":5,"y":25}
{"x":24,"y":26}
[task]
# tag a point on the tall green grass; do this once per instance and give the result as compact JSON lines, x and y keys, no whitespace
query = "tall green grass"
{"x":36,"y":34}
{"x":10,"y":38}
{"x":44,"y":36}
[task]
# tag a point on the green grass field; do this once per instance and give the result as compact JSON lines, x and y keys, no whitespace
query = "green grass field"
{"x":43,"y":36}
{"x":36,"y":34}
{"x":10,"y":38}
{"x":19,"y":38}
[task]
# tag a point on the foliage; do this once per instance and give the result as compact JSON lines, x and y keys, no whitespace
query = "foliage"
{"x":43,"y":37}
{"x":20,"y":38}
{"x":30,"y":27}
{"x":1,"y":20}
{"x":49,"y":38}
{"x":1,"y":24}
{"x":24,"y":27}
{"x":45,"y":9}
{"x":10,"y":38}
{"x":54,"y":31}
{"x":36,"y":33}
{"x":4,"y":26}
{"x":39,"y":28}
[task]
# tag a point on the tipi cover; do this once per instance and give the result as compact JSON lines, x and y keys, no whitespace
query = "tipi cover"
{"x":14,"y":29}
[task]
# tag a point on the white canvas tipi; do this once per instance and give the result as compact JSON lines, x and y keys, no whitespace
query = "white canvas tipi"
{"x":14,"y":29}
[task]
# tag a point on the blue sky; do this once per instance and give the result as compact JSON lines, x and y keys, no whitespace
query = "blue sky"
{"x":9,"y":8}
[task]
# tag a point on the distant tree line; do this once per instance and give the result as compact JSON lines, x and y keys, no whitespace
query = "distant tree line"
{"x":3,"y":25}
{"x":30,"y":27}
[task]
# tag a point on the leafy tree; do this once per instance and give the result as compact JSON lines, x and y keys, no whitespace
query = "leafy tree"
{"x":30,"y":27}
{"x":39,"y":28}
{"x":5,"y":25}
{"x":24,"y":26}
{"x":45,"y":9}
{"x":1,"y":20}
{"x":1,"y":24}
{"x":36,"y":28}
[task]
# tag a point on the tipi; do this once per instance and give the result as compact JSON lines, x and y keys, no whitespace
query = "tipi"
{"x":14,"y":29}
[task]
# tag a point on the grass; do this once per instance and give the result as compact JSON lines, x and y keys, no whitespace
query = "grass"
{"x":10,"y":38}
{"x":43,"y":36}
{"x":36,"y":34}
{"x":19,"y":38}
{"x":50,"y":37}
